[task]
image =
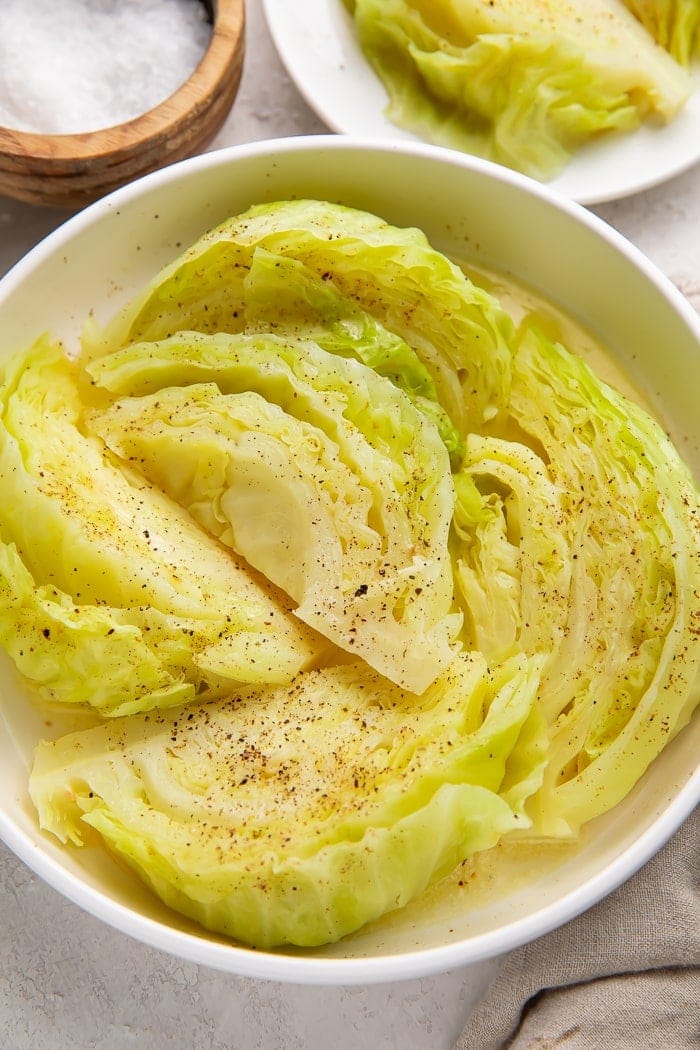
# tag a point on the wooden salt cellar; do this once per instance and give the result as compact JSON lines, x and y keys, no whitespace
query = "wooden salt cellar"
{"x":72,"y":170}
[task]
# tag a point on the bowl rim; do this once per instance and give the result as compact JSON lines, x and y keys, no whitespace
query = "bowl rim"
{"x":308,"y":969}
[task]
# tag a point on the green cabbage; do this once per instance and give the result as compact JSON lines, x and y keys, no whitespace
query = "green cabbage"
{"x":283,"y":432}
{"x":581,"y":541}
{"x":117,"y":598}
{"x":296,"y":815}
{"x":458,"y":332}
{"x":674,"y":24}
{"x":286,"y":298}
{"x":459,"y":504}
{"x":525,"y":84}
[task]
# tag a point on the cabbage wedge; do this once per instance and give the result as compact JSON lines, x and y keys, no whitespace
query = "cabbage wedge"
{"x":525,"y":83}
{"x":287,"y":299}
{"x":458,"y":332}
{"x":118,"y":577}
{"x":321,"y":473}
{"x":581,"y":541}
{"x":674,"y":24}
{"x":296,"y":815}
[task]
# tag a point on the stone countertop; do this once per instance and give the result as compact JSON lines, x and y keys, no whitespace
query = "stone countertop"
{"x":67,"y":981}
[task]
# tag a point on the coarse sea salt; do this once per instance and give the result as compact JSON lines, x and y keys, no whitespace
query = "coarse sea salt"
{"x":68,"y":66}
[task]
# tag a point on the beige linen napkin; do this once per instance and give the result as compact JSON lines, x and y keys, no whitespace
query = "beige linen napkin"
{"x":625,"y":975}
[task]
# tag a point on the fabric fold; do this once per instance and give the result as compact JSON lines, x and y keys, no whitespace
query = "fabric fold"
{"x":625,"y":974}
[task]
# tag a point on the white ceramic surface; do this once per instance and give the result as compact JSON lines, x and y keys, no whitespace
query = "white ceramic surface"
{"x":317,"y":44}
{"x":471,"y":210}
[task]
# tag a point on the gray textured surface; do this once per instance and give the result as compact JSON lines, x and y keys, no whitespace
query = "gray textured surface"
{"x":67,"y":982}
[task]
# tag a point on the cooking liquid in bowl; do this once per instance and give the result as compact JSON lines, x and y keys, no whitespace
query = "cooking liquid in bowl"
{"x":527,"y":304}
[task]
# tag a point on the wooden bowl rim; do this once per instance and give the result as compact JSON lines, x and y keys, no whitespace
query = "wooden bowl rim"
{"x":190,"y":97}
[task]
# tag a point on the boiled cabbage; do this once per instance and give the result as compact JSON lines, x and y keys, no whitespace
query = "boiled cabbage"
{"x":109,"y":592}
{"x":674,"y":24}
{"x":458,"y":331}
{"x":319,"y":472}
{"x":580,"y":540}
{"x":296,"y":815}
{"x":525,"y":83}
{"x":286,"y":298}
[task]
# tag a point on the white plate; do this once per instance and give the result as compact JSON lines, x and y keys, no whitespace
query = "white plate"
{"x":316,"y":42}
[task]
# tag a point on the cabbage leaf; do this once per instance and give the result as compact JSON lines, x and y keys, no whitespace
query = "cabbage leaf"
{"x":674,"y":24}
{"x":458,"y":331}
{"x":287,"y":299}
{"x":581,"y":542}
{"x":321,"y":473}
{"x":298,"y":814}
{"x":116,"y":560}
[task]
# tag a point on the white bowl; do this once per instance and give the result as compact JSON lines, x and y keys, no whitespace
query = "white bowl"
{"x":471,"y":210}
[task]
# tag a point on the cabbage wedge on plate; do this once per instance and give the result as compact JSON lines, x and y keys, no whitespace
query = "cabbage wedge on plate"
{"x":525,"y":83}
